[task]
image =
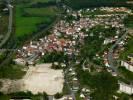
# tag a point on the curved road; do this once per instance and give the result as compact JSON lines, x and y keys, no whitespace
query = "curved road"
{"x":110,"y":53}
{"x":9,"y":25}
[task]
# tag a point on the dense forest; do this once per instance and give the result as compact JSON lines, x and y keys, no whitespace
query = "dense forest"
{"x":77,"y":4}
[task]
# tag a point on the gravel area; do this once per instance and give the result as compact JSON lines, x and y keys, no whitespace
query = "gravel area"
{"x":38,"y":79}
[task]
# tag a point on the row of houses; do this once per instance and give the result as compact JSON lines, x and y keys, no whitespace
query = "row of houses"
{"x":109,"y":9}
{"x":116,"y":9}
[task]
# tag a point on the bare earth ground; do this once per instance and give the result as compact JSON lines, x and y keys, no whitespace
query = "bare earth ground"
{"x":40,"y":78}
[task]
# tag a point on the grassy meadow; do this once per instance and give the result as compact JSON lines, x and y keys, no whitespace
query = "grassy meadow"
{"x":29,"y":18}
{"x":47,"y":11}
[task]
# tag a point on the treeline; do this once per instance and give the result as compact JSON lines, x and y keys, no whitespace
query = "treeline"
{"x":42,"y":5}
{"x":2,"y":5}
{"x":78,"y":4}
{"x":129,"y":21}
{"x":22,"y":1}
{"x":23,"y":96}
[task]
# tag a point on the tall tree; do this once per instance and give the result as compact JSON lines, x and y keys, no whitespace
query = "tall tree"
{"x":104,"y":85}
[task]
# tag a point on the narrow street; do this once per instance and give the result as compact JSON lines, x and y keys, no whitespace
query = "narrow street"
{"x":110,"y":53}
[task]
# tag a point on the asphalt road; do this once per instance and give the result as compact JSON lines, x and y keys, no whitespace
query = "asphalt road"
{"x":7,"y":36}
{"x":110,"y":53}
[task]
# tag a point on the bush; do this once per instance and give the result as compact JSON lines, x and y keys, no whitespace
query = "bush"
{"x":29,"y":95}
{"x":11,"y":72}
{"x":58,"y":95}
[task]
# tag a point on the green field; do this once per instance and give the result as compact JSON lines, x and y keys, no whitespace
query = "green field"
{"x":25,"y":25}
{"x":29,"y":18}
{"x":47,"y":11}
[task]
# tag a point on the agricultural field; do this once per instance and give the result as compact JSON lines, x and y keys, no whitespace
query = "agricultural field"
{"x":29,"y":19}
{"x":47,"y":11}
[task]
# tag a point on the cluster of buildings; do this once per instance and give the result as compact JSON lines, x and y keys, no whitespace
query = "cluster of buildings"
{"x":110,"y":10}
{"x":116,"y":9}
{"x":63,"y":39}
{"x":65,"y":36}
{"x":52,"y":43}
{"x":115,"y":53}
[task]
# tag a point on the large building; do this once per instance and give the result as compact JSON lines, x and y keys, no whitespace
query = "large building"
{"x":128,"y":64}
{"x":126,"y":88}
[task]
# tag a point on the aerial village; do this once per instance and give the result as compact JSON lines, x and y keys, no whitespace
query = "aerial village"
{"x":66,"y":35}
{"x":89,"y":41}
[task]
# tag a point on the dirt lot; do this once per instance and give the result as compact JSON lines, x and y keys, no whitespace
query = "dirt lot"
{"x":40,"y":78}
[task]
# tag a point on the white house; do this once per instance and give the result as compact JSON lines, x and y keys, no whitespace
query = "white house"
{"x":128,"y":65}
{"x":20,"y":61}
{"x":107,"y":41}
{"x":126,"y":88}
